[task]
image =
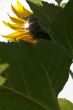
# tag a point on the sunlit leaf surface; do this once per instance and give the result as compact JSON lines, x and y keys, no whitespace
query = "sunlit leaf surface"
{"x":65,"y":104}
{"x":3,"y":67}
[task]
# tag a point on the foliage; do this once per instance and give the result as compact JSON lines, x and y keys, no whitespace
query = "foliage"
{"x":58,"y":1}
{"x":65,"y":104}
{"x":58,"y":22}
{"x":35,"y":74}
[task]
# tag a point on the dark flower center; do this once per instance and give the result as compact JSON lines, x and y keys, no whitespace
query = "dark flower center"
{"x":35,"y":29}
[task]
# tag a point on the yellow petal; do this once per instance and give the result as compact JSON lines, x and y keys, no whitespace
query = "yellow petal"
{"x":28,"y":38}
{"x":23,"y":10}
{"x":19,"y":6}
{"x":26,"y":12}
{"x":17,"y":13}
{"x":16,"y":20}
{"x":31,"y":40}
{"x":12,"y":35}
{"x":15,"y":35}
{"x":24,"y":36}
{"x":6,"y":24}
{"x":14,"y":26}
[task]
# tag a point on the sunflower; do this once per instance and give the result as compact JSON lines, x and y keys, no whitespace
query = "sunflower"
{"x":25,"y":26}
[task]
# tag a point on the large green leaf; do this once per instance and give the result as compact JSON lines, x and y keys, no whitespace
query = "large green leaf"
{"x":65,"y":104}
{"x":64,"y":31}
{"x":56,"y":21}
{"x":36,"y":74}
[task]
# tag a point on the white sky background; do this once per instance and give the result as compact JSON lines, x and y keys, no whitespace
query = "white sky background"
{"x":5,"y":8}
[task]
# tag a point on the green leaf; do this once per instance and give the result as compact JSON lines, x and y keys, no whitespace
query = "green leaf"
{"x":56,"y":21}
{"x":65,"y":104}
{"x":63,"y":5}
{"x":36,"y":74}
{"x":36,"y":2}
{"x":3,"y":67}
{"x":2,"y":80}
{"x":62,"y":27}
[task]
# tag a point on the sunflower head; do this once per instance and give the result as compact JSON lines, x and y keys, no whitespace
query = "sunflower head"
{"x":25,"y":26}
